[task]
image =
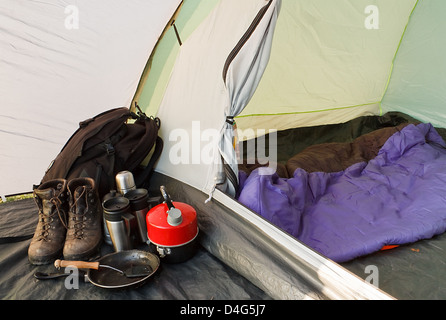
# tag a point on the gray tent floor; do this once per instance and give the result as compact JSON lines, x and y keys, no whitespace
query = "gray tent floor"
{"x":415,"y":271}
{"x":203,"y":277}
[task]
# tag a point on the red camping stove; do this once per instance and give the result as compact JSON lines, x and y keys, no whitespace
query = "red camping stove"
{"x":172,"y":228}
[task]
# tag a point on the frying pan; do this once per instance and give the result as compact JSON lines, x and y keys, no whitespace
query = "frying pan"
{"x":123,"y":260}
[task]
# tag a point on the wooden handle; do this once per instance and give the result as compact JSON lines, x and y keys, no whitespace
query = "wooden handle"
{"x":78,"y":264}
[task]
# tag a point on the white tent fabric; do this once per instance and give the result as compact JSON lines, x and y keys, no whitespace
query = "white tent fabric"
{"x":62,"y":62}
{"x":242,"y":76}
{"x":197,"y":91}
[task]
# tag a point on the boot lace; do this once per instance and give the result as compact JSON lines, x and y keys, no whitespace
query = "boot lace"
{"x":78,"y":218}
{"x":46,"y":220}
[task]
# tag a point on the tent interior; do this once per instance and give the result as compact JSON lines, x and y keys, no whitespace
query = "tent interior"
{"x":303,"y":80}
{"x":337,"y":70}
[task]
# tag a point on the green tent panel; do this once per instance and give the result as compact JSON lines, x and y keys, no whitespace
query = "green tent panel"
{"x":418,"y":77}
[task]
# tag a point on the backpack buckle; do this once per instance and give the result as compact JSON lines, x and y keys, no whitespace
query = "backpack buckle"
{"x":109,"y":149}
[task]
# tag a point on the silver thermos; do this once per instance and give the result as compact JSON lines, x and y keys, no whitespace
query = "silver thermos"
{"x":118,"y":221}
{"x":125,"y":182}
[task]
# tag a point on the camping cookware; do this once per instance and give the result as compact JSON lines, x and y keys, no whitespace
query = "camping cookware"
{"x":132,"y":272}
{"x":172,"y":228}
{"x":139,"y":206}
{"x":116,"y":270}
{"x":111,"y":194}
{"x":119,"y":220}
{"x":125,"y":182}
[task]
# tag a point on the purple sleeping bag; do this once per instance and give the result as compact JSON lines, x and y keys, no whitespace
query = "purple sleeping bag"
{"x":396,"y":198}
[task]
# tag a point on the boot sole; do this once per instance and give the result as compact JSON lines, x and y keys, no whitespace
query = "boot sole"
{"x":38,"y":261}
{"x":86,"y":255}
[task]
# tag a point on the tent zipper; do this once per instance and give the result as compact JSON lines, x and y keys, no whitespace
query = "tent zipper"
{"x":244,"y":39}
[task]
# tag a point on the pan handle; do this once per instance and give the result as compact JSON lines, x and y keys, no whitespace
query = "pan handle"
{"x":78,"y":264}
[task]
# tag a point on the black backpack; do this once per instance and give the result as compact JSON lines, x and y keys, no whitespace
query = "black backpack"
{"x":106,"y":144}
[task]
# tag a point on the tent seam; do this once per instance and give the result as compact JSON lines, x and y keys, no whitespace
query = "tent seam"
{"x":303,"y":112}
{"x":394,"y":57}
{"x":148,"y":66}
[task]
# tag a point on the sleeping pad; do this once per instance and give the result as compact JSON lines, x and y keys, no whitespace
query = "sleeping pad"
{"x":396,"y":197}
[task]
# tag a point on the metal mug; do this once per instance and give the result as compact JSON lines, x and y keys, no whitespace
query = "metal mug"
{"x":110,"y":195}
{"x":139,"y":207}
{"x":118,"y":220}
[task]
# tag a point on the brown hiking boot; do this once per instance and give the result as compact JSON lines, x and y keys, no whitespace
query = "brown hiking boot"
{"x":84,"y":235}
{"x":48,"y":240}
